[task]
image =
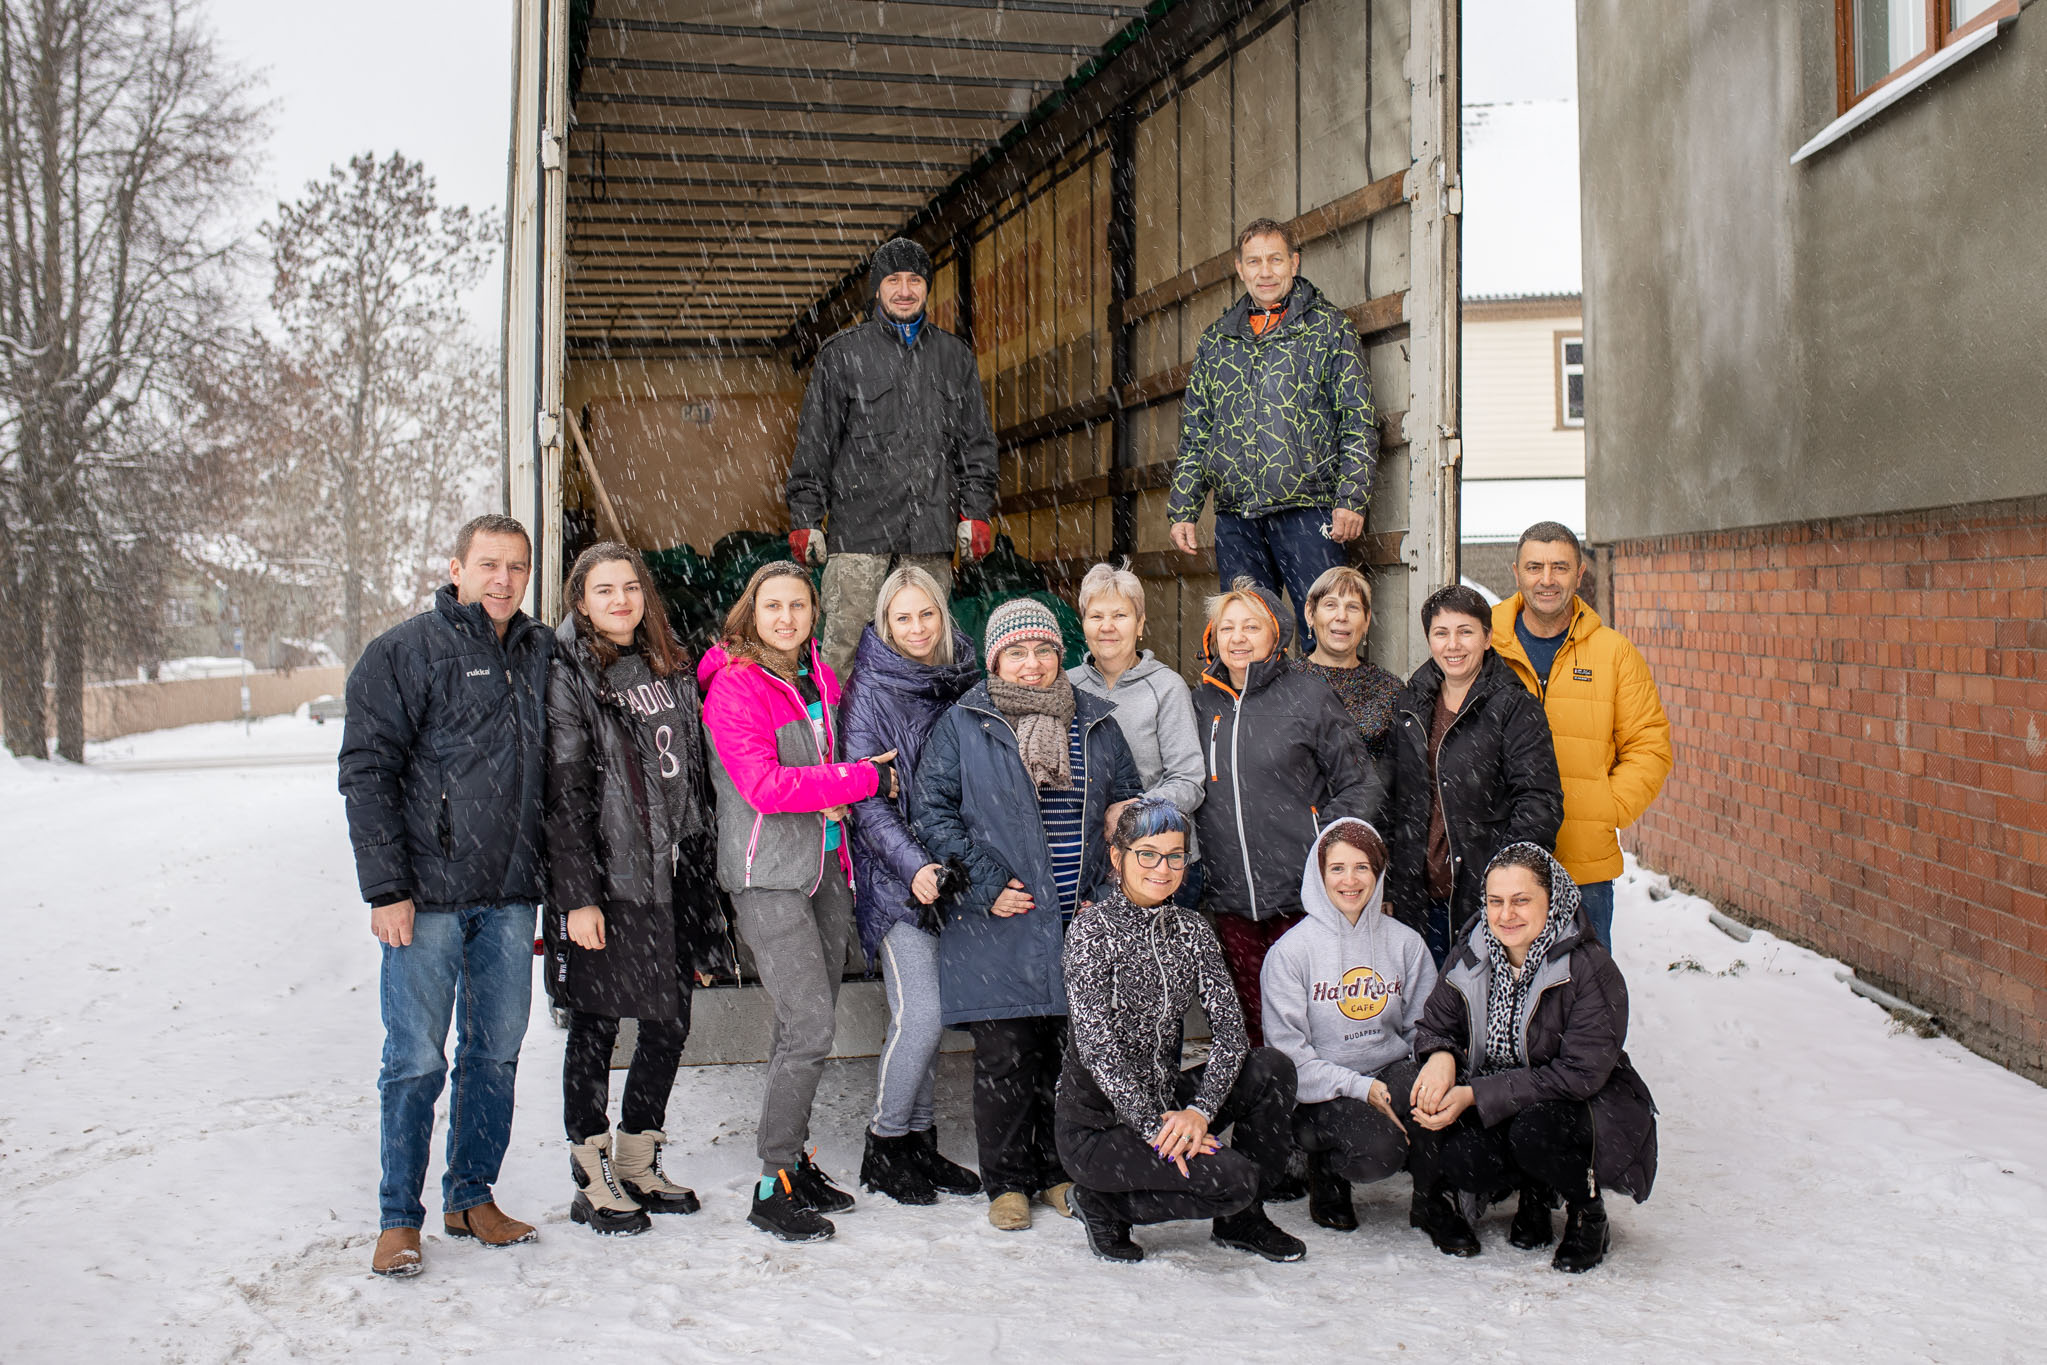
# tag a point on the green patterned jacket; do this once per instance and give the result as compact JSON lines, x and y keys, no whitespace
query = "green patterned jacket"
{"x":1277,"y":422}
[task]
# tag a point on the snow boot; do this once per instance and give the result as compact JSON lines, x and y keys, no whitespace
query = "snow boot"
{"x":600,"y":1201}
{"x":947,"y":1177}
{"x":816,"y":1189}
{"x":1532,"y":1229}
{"x":1252,"y":1231}
{"x":891,"y":1166}
{"x":1437,"y":1214}
{"x":488,"y":1224}
{"x":1058,"y":1198}
{"x":1586,"y":1237}
{"x":636,"y":1161}
{"x":1108,"y":1238}
{"x":1010,"y":1212}
{"x":1329,"y":1201}
{"x":397,"y":1255}
{"x":779,"y":1208}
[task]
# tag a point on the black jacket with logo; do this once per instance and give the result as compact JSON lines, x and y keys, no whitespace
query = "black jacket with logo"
{"x":443,"y":759}
{"x":894,"y":442}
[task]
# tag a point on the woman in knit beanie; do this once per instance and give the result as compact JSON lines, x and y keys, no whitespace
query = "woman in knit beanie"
{"x":1016,"y":788}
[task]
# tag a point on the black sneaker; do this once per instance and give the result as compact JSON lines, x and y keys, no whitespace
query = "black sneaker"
{"x":1587,"y":1235}
{"x":1329,"y":1198}
{"x":891,"y":1166}
{"x":783,"y":1212}
{"x":1532,"y":1229}
{"x":1252,"y":1231}
{"x":1107,"y":1237}
{"x":1437,"y":1214}
{"x":816,"y":1188}
{"x":947,"y":1177}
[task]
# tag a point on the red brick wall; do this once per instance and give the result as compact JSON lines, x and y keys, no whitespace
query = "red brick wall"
{"x":1860,"y":714}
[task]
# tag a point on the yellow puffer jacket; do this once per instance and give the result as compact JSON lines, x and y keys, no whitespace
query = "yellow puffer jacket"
{"x":1612,"y":740}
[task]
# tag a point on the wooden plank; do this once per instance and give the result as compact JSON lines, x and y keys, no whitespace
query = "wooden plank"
{"x":1349,"y":210}
{"x":1379,"y":550}
{"x":605,"y":509}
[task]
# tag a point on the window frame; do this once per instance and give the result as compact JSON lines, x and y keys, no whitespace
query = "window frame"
{"x":1941,"y":32}
{"x":1558,"y":340}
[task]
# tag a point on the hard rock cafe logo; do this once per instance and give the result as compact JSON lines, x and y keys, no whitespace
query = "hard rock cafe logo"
{"x":1360,"y":995}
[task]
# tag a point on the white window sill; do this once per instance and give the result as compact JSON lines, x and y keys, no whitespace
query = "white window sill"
{"x":1897,"y":90}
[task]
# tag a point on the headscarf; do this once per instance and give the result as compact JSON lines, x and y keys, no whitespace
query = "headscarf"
{"x":1506,"y":989}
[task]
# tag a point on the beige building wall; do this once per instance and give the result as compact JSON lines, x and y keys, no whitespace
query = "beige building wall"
{"x":1512,"y":423}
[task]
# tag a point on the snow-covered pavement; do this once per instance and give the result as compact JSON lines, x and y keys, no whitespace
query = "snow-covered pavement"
{"x":188,"y":1050}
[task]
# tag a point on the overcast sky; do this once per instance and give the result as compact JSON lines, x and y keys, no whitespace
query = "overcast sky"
{"x":432,"y":78}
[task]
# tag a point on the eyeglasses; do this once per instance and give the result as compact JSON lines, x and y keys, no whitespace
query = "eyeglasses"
{"x":1151,"y":857}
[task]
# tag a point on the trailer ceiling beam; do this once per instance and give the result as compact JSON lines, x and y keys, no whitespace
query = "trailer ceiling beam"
{"x":692,"y":132}
{"x":847,"y":37}
{"x":808,"y":108}
{"x":823,"y":73}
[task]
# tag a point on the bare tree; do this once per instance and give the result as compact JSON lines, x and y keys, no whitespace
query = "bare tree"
{"x":369,"y":273}
{"x":123,"y":144}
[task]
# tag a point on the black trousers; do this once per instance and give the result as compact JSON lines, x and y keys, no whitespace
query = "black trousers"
{"x":586,"y":1073}
{"x":1547,"y":1144}
{"x":1363,"y":1145}
{"x":1118,"y":1163}
{"x":1016,"y":1072}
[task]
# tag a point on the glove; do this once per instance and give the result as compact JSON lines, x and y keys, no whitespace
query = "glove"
{"x":806,"y":547}
{"x":977,"y":538}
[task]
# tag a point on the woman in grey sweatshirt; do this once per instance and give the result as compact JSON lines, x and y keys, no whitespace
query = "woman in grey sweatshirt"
{"x":1342,"y":992}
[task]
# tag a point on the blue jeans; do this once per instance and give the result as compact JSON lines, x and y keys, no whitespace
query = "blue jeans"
{"x":476,"y":967}
{"x":1597,"y":900}
{"x":1283,"y":552}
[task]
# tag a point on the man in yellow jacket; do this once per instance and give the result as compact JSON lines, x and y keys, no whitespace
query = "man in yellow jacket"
{"x":1612,"y":740}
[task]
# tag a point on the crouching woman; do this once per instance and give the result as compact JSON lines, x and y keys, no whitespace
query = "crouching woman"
{"x":1524,"y":1081}
{"x":624,"y":802}
{"x":1135,"y":1132}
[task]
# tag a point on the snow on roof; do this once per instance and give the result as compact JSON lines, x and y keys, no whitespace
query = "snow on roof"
{"x":1521,"y":199}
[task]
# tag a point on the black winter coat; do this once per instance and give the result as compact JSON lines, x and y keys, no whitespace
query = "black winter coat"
{"x":894,"y":442}
{"x":604,"y":799}
{"x":1500,"y":786}
{"x":443,"y":759}
{"x":1572,"y":1040}
{"x":1283,"y":760}
{"x":892,"y":702}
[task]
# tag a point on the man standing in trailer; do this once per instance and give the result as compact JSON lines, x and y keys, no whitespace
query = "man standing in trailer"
{"x":895,"y":459}
{"x":1277,"y":422}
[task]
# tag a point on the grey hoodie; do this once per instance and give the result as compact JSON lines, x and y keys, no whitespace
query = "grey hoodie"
{"x":1155,"y":712}
{"x":1342,"y":1000}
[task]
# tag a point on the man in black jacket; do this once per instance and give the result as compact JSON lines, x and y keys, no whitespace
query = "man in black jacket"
{"x":894,"y":448}
{"x":443,"y":767}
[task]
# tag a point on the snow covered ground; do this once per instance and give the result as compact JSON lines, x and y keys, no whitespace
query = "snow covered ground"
{"x":188,"y":1156}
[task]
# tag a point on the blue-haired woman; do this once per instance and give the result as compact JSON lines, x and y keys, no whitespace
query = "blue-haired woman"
{"x":1135,"y":1132}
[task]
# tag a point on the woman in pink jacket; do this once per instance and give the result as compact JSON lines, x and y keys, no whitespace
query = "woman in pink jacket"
{"x":782,"y":853}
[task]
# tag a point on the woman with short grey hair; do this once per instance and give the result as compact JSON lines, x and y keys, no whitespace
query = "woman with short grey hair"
{"x":1153,"y":707}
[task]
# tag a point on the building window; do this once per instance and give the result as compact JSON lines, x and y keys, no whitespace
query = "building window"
{"x":1570,"y":380}
{"x":1878,"y":40}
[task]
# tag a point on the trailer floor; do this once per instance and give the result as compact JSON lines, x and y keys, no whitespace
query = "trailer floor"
{"x":188,"y":1157}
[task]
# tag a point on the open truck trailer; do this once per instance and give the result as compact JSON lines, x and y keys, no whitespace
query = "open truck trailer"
{"x":695,"y":189}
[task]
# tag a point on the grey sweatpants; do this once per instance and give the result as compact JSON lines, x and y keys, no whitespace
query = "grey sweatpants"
{"x":851,"y":583}
{"x":903,"y":1100}
{"x":799,"y":946}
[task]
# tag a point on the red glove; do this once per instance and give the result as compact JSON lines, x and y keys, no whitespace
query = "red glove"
{"x":806,"y":546}
{"x":977,"y":538}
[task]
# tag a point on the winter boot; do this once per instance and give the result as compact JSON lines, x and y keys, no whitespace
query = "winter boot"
{"x":397,"y":1254}
{"x":600,"y":1201}
{"x":1329,"y":1202}
{"x":891,"y":1166}
{"x":1010,"y":1212}
{"x":1057,"y":1197}
{"x":1586,"y":1237}
{"x":636,"y":1161}
{"x":1437,"y":1214}
{"x":947,"y":1177}
{"x":1108,"y":1238}
{"x":1532,"y":1229}
{"x":488,"y":1224}
{"x":780,"y":1208}
{"x":1252,"y":1231}
{"x":816,"y":1189}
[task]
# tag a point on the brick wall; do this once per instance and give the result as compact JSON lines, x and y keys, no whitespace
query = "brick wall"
{"x":1860,"y":713}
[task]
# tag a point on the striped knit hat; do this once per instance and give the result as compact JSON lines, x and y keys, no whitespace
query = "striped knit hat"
{"x":1023,"y":618}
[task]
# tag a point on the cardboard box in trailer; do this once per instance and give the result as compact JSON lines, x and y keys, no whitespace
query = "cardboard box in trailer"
{"x":695,"y":190}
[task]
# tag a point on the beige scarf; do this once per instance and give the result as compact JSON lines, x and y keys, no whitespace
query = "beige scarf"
{"x":1040,"y":716}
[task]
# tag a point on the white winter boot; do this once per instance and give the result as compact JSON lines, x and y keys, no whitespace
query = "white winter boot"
{"x":600,"y":1200}
{"x":636,"y":1161}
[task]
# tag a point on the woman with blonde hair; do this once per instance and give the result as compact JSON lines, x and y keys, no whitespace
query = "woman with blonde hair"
{"x":784,"y":791}
{"x":912,"y":664}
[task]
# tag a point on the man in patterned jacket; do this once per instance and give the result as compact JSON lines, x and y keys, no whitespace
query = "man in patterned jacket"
{"x":1278,"y":422}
